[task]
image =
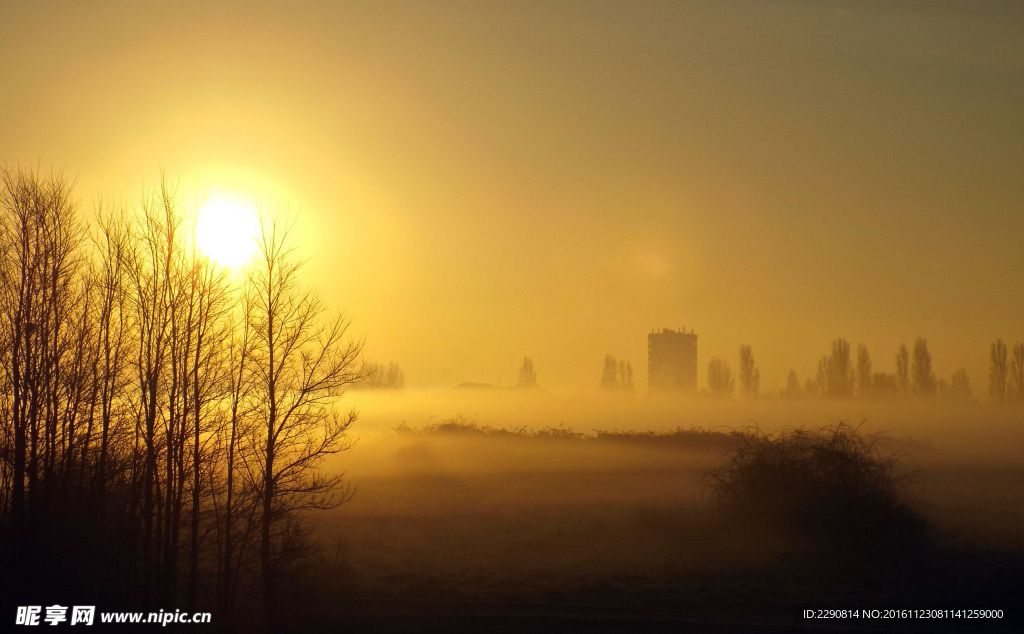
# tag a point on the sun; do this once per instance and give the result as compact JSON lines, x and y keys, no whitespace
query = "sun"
{"x":226,"y":231}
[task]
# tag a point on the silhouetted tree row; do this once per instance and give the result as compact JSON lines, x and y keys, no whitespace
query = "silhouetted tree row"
{"x":616,"y":375}
{"x":750,"y":376}
{"x":835,"y":371}
{"x":377,"y":376}
{"x":162,"y":424}
{"x":720,"y":379}
{"x":838,"y":376}
{"x":527,"y":374}
{"x":1006,"y":372}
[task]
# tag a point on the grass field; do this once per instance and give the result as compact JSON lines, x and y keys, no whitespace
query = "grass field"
{"x":454,"y":521}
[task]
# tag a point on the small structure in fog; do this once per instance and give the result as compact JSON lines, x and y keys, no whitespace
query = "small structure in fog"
{"x":671,"y":361}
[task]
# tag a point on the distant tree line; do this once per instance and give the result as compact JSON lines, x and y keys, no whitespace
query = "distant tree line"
{"x":617,"y":375}
{"x":162,"y":423}
{"x":377,"y":376}
{"x":1006,"y":372}
{"x":527,"y":374}
{"x":841,"y":374}
{"x":721,"y":381}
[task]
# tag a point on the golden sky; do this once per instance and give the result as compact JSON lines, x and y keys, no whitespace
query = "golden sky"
{"x":479,"y":181}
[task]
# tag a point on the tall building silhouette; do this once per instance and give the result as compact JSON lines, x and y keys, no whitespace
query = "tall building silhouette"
{"x":671,"y":361}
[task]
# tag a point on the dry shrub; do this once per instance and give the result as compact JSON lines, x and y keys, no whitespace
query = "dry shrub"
{"x":833,"y":490}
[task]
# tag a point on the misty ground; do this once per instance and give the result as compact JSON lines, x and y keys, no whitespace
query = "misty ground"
{"x":521,"y":512}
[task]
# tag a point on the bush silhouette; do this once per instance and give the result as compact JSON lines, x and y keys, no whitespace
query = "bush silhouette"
{"x":831,"y":489}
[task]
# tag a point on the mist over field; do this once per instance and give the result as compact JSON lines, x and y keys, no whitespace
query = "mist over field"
{"x":540,"y":449}
{"x":973,"y":430}
{"x":512,"y":493}
{"x":506,"y":316}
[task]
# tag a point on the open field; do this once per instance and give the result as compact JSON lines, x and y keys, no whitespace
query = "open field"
{"x":452,"y":516}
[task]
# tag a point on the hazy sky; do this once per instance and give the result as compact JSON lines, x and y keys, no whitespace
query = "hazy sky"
{"x":479,"y":181}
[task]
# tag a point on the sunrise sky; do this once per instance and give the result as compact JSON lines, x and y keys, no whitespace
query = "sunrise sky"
{"x":479,"y":181}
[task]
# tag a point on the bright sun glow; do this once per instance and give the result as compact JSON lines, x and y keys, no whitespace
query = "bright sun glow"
{"x":226,"y":231}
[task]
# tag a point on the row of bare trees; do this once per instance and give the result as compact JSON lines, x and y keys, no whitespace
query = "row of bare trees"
{"x":841,"y":375}
{"x":617,"y":375}
{"x":1006,"y":372}
{"x":378,"y":376}
{"x":720,"y":379}
{"x":160,"y":418}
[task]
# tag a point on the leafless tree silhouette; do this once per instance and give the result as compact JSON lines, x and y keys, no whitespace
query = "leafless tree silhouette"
{"x":792,"y":385}
{"x":379,"y":377}
{"x":46,"y":292}
{"x":835,"y":371}
{"x":1016,"y":373}
{"x":998,"y":371}
{"x":527,"y":375}
{"x":750,"y":376}
{"x":923,"y":379}
{"x":617,"y":375}
{"x":609,"y":374}
{"x":720,"y":379}
{"x":175,"y":419}
{"x":960,"y":386}
{"x":903,"y":371}
{"x":864,"y":377}
{"x":300,"y":367}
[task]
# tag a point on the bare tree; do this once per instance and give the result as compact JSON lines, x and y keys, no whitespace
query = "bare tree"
{"x":923,"y":379}
{"x":960,"y":386}
{"x":176,"y":309}
{"x":617,"y":375}
{"x":114,"y":333}
{"x":205,"y":370}
{"x":395,"y":377}
{"x":903,"y":371}
{"x":300,"y":366}
{"x":720,"y":379}
{"x":134,"y":410}
{"x":153,"y":265}
{"x":835,"y":371}
{"x":884,"y":385}
{"x":792,"y":385}
{"x":235,"y":536}
{"x":527,"y":375}
{"x":43,"y":295}
{"x":811,"y":388}
{"x":609,"y":374}
{"x":377,"y":376}
{"x":1016,"y":374}
{"x":998,"y":371}
{"x":864,"y":382}
{"x":750,"y":376}
{"x":626,"y":376}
